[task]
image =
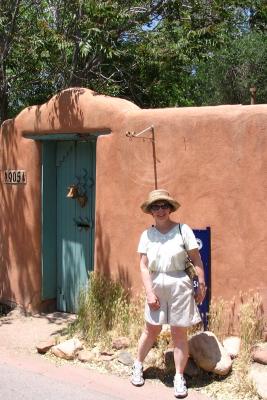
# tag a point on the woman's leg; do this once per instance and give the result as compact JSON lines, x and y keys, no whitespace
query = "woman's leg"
{"x":180,"y":352}
{"x":147,"y":340}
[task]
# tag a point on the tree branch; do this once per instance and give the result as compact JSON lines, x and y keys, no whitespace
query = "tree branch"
{"x":7,"y":43}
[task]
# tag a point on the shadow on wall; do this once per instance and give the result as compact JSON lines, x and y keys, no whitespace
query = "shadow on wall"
{"x":20,"y":268}
{"x":18,"y":241}
{"x":65,"y":111}
{"x":103,"y":255}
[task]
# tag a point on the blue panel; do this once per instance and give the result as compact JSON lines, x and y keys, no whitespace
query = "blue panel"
{"x":66,"y":240}
{"x":203,"y":238}
{"x":49,"y":238}
{"x":75,"y":239}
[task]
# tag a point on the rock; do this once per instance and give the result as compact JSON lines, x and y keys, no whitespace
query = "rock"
{"x":107,"y":357}
{"x":86,"y":356}
{"x":257,"y":374}
{"x":106,"y":353}
{"x":259,"y":355}
{"x":191,"y":369}
{"x":121,"y":342}
{"x":96,"y":351}
{"x":17,"y":312}
{"x":45,"y":345}
{"x":125,"y":358}
{"x":209,"y":354}
{"x":232,"y":345}
{"x":151,"y":358}
{"x":169,"y":360}
{"x":68,"y":349}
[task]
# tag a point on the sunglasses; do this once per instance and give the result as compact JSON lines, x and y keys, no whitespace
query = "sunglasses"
{"x":156,"y":207}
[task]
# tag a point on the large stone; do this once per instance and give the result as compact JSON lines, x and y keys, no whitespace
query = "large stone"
{"x":45,"y":345}
{"x":86,"y":356}
{"x":169,"y":360}
{"x":209,"y":354}
{"x":121,"y":342}
{"x":152,"y":357}
{"x":106,"y":356}
{"x":259,"y":355}
{"x":125,"y":358}
{"x":68,"y":349}
{"x":257,"y":374}
{"x":232,"y":345}
{"x":191,"y":368}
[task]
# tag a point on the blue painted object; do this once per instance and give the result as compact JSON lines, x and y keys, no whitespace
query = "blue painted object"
{"x":67,"y":224}
{"x":203,"y":239}
{"x":75,"y":222}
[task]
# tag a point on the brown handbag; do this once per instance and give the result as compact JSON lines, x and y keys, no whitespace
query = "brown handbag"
{"x":190,"y":269}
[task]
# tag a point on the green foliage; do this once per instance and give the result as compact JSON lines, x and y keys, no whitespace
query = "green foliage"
{"x":229,"y":73}
{"x":156,"y":53}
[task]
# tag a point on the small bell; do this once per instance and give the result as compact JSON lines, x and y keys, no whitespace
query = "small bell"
{"x":73,"y":192}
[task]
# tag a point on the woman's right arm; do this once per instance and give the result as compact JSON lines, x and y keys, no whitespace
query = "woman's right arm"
{"x":152,"y":299}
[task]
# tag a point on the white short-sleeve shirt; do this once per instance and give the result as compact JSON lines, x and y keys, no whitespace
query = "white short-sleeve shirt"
{"x":166,"y":251}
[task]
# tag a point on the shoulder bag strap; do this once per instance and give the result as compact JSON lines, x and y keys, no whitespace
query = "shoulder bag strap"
{"x":182,"y":236}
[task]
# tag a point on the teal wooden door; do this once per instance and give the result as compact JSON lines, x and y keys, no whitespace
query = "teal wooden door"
{"x":75,"y":164}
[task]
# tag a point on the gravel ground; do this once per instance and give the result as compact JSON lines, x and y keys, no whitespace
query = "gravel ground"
{"x":21,"y":334}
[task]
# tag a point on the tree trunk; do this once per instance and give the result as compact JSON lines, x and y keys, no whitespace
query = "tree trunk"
{"x":3,"y":95}
{"x":3,"y":106}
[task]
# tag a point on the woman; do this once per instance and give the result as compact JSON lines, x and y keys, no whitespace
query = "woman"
{"x":170,"y":297}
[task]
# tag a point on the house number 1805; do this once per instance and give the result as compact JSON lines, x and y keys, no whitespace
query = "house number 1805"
{"x":15,"y":176}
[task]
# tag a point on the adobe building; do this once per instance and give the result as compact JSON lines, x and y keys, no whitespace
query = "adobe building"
{"x":75,"y":170}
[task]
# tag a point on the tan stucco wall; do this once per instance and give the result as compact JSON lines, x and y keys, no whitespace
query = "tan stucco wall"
{"x":212,"y":159}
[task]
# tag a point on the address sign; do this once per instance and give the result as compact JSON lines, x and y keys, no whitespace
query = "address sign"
{"x":15,"y":176}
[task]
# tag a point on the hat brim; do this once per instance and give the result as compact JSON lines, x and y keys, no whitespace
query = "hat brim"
{"x":146,"y":205}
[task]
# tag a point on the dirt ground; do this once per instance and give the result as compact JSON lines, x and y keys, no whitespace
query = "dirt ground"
{"x":21,"y":333}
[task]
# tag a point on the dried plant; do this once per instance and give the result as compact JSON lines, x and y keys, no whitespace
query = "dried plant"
{"x":244,"y":317}
{"x":216,"y":317}
{"x":251,"y":320}
{"x":105,"y":310}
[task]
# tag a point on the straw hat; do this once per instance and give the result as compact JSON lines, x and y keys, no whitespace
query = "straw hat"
{"x":157,"y":195}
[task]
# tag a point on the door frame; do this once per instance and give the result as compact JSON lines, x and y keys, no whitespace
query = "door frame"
{"x":49,"y":209}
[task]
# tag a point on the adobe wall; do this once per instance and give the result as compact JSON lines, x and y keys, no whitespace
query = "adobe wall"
{"x":212,"y":159}
{"x":20,"y":222}
{"x":71,"y":111}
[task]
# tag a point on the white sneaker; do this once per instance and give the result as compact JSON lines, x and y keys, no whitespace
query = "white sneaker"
{"x":180,"y":389}
{"x":137,"y":375}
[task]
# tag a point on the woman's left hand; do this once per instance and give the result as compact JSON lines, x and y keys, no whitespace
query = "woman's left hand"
{"x":200,"y":293}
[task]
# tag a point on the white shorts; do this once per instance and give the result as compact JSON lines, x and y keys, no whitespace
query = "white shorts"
{"x":176,"y":296}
